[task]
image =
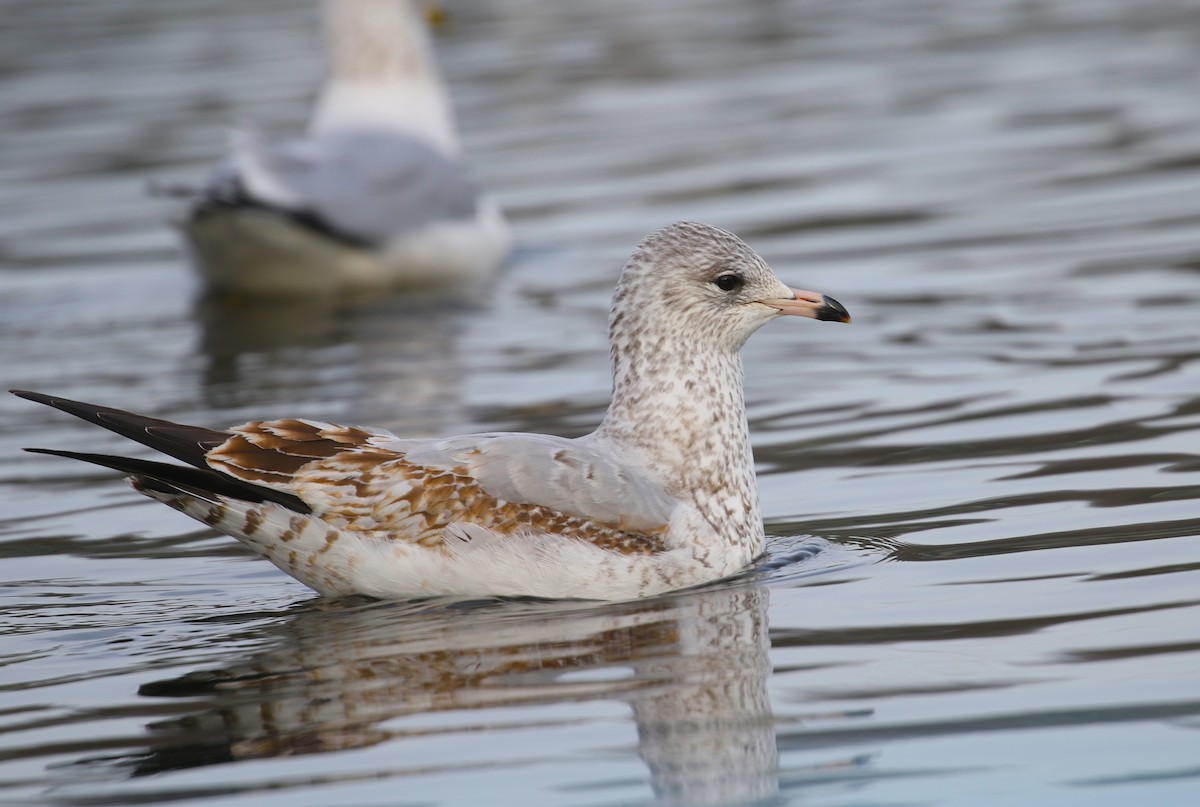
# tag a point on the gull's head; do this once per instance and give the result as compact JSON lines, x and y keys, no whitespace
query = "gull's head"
{"x":707,"y":287}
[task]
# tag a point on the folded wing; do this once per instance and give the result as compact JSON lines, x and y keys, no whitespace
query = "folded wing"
{"x":364,"y":187}
{"x":475,"y":487}
{"x":424,"y":491}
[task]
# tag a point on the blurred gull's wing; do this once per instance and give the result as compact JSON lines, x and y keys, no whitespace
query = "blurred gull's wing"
{"x":364,"y":187}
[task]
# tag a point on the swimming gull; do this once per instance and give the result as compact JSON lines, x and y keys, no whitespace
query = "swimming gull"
{"x":660,"y":496}
{"x":376,"y":194}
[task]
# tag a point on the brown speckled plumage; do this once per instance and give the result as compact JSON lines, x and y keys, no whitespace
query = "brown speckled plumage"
{"x":368,"y":489}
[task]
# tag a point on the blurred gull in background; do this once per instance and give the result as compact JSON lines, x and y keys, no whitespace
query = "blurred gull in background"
{"x":375,"y":195}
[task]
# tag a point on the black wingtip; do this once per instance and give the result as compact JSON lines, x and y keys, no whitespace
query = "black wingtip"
{"x":170,"y":478}
{"x":86,"y":411}
{"x":188,"y":444}
{"x":28,"y":395}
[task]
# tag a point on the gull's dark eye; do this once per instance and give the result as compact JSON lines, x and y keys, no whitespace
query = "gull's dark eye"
{"x":727,"y":282}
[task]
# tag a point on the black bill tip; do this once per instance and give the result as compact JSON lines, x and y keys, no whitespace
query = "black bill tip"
{"x":833,"y":311}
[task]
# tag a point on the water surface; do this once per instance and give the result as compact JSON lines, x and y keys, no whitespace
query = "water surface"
{"x":985,"y":570}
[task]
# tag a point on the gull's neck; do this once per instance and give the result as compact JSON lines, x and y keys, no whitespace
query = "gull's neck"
{"x":680,"y":411}
{"x":382,"y":74}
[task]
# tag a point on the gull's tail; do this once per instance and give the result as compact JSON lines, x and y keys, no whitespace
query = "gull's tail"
{"x":189,"y":444}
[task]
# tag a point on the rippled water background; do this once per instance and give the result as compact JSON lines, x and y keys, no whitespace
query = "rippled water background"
{"x":985,"y":582}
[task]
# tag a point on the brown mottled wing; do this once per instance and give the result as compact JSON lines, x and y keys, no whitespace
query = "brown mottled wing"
{"x":416,"y":490}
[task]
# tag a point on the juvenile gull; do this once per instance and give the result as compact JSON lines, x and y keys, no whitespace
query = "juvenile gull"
{"x":661,"y":496}
{"x":375,"y":195}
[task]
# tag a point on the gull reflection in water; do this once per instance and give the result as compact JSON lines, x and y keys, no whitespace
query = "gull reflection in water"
{"x":345,"y":673}
{"x":389,"y":360}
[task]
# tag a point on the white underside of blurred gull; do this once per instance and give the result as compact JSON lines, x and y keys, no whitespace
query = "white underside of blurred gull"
{"x":661,"y":496}
{"x":376,"y":194}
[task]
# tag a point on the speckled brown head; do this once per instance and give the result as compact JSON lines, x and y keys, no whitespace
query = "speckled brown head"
{"x":707,"y":285}
{"x":687,"y":300}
